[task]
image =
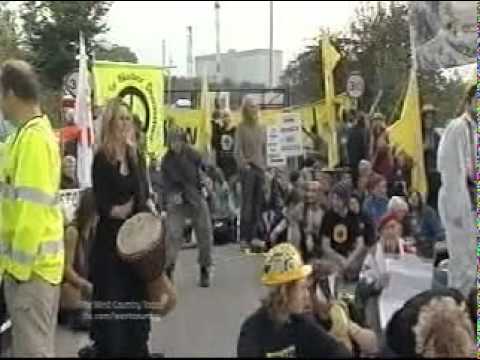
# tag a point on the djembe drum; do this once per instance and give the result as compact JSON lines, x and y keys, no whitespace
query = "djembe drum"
{"x":141,"y":243}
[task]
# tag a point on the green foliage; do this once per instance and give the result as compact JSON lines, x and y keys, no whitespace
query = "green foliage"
{"x":51,"y":30}
{"x":116,"y":53}
{"x":378,"y":46}
{"x":9,"y":36}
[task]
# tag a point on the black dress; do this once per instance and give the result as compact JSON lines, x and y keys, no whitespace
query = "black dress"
{"x":120,"y":324}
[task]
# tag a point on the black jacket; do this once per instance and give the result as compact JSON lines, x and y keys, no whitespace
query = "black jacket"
{"x":301,"y":337}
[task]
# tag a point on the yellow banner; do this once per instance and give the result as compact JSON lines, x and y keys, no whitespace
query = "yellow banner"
{"x":406,"y":134}
{"x":140,"y":86}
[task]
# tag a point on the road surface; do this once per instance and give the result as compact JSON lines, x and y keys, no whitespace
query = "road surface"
{"x":206,"y":322}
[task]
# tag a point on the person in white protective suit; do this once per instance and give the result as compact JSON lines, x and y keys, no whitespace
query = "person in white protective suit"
{"x":456,"y":164}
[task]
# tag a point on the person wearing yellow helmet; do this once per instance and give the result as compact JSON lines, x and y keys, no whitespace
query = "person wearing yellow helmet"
{"x":281,"y":327}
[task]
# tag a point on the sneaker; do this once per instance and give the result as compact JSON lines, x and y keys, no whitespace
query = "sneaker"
{"x":204,"y":277}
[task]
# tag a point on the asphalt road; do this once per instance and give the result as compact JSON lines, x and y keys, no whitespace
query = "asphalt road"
{"x":206,"y":322}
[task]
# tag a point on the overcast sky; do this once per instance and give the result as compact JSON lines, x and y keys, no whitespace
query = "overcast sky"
{"x":142,"y":25}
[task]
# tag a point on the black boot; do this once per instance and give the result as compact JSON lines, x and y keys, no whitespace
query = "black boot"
{"x":204,"y":277}
{"x":79,"y":321}
{"x":88,"y":352}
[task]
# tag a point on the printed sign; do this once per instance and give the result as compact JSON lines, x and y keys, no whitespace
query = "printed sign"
{"x":275,"y":157}
{"x":291,"y":135}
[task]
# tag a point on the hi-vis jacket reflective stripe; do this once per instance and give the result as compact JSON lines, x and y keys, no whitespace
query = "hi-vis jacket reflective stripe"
{"x":31,"y":222}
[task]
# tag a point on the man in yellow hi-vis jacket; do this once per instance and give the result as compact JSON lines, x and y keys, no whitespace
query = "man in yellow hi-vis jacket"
{"x":31,"y":223}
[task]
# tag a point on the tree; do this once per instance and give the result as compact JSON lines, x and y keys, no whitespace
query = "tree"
{"x":9,"y":37}
{"x":52,"y":29}
{"x":116,"y":53}
{"x":378,"y":46}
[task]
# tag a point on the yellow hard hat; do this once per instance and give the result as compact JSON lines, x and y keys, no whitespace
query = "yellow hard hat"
{"x":283,"y":264}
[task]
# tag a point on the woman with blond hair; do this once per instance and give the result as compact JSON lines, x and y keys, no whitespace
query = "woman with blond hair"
{"x":120,"y":192}
{"x":280,"y":328}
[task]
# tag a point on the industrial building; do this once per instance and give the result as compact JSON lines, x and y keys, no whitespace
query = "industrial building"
{"x":250,"y":66}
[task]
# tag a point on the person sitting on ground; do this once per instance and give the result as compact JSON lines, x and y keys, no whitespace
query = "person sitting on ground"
{"x":288,"y":228}
{"x":402,"y":174}
{"x":280,"y":328}
{"x":340,"y":239}
{"x":425,"y":223}
{"x":382,"y":160}
{"x":399,"y":207}
{"x":325,"y":180}
{"x":364,"y":177}
{"x":333,"y":314}
{"x":69,"y":179}
{"x":433,"y":324}
{"x":376,"y":204}
{"x":374,"y":276}
{"x":367,"y":231}
{"x":76,"y":289}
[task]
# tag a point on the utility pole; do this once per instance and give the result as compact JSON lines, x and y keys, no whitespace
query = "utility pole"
{"x":164,"y":53}
{"x":270,"y":70}
{"x":217,"y":33}
{"x":189,"y":52}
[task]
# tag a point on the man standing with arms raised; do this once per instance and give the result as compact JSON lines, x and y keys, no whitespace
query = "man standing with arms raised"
{"x":456,"y":164}
{"x":250,"y":153}
{"x":31,"y":224}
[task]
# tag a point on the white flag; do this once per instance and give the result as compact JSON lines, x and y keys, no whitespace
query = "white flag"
{"x":83,"y":119}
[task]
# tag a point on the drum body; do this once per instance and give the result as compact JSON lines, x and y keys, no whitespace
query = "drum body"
{"x":141,"y":242}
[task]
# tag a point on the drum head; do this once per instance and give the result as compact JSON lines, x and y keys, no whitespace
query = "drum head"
{"x":139,"y":234}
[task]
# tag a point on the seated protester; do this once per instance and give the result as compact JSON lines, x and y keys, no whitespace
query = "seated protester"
{"x":76,"y":289}
{"x":433,"y":324}
{"x":425,"y":225}
{"x":373,"y":276}
{"x":376,"y":204}
{"x":69,"y":173}
{"x":333,"y":314}
{"x":308,"y":171}
{"x":401,"y":178}
{"x":326,"y":180}
{"x":312,"y":212}
{"x":365,"y":174}
{"x":366,"y":229}
{"x":288,"y":228}
{"x":280,"y":328}
{"x":340,"y":239}
{"x":399,"y":207}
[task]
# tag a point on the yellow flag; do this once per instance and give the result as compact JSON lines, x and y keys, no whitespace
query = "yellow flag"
{"x":330,"y":58}
{"x":406,"y":134}
{"x":141,"y":87}
{"x":205,"y":128}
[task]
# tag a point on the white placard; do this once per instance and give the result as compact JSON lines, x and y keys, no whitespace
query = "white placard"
{"x":291,"y":135}
{"x":275,"y":156}
{"x":409,"y":276}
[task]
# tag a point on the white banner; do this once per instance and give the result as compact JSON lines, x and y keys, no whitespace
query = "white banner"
{"x":291,"y":135}
{"x":275,"y":156}
{"x":409,"y":276}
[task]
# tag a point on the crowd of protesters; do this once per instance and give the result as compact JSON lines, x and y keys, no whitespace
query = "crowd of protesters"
{"x":326,"y":234}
